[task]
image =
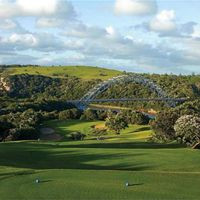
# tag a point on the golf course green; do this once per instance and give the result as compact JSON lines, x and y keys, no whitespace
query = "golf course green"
{"x":98,"y":169}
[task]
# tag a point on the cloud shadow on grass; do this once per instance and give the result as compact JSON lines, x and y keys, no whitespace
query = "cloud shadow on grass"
{"x":127,"y":145}
{"x":42,"y":156}
{"x":4,"y":176}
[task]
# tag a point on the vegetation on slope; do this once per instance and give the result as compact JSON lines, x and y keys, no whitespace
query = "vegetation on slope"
{"x":37,"y":86}
{"x":93,"y":169}
{"x":133,"y":132}
{"x":83,"y":72}
{"x":74,"y":85}
{"x":47,"y":94}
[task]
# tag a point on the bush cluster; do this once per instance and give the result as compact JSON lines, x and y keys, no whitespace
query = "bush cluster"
{"x":20,"y":126}
{"x":180,"y":124}
{"x":187,"y":129}
{"x":77,"y":136}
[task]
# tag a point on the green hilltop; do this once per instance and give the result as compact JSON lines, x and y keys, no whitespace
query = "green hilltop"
{"x":83,"y":72}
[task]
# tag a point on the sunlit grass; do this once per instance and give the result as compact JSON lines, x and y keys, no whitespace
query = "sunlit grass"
{"x":66,"y":127}
{"x":83,"y":72}
{"x":92,"y":169}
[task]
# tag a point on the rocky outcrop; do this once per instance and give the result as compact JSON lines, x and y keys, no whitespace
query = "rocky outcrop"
{"x":4,"y":85}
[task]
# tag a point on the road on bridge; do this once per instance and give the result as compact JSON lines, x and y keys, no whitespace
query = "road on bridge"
{"x":128,"y":99}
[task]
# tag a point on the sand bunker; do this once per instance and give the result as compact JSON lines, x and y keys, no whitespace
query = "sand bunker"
{"x":49,"y":134}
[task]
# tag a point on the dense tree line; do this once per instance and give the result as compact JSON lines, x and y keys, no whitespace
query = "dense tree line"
{"x":25,"y":125}
{"x":180,"y":124}
{"x":34,"y":98}
{"x":20,"y":126}
{"x":174,"y":86}
{"x":40,"y":105}
{"x":42,"y":87}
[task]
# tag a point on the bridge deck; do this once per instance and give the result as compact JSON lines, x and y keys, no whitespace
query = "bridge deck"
{"x":128,"y":99}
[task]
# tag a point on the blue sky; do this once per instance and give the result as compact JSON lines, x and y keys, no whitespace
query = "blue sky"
{"x":160,"y":36}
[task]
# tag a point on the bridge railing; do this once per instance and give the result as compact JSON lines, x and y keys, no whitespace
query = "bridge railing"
{"x":101,"y":87}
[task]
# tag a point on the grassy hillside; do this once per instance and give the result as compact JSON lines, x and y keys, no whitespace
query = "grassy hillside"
{"x":84,"y":72}
{"x":133,"y":132}
{"x":94,"y":169}
{"x":63,"y":83}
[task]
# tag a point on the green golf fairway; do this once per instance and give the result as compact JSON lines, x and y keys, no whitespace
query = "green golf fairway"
{"x":94,"y":169}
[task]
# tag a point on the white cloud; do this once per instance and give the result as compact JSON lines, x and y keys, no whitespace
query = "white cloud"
{"x":93,"y":45}
{"x":76,"y":57}
{"x":8,"y":9}
{"x":196,"y":32}
{"x":171,"y":30}
{"x":41,"y":42}
{"x":111,"y":51}
{"x":18,"y":41}
{"x":131,"y":52}
{"x":45,"y":22}
{"x":135,"y":7}
{"x":81,"y":30}
{"x":11,"y":58}
{"x":164,"y":21}
{"x":112,"y":33}
{"x":110,"y":30}
{"x":38,"y":8}
{"x":7,"y":24}
{"x":27,"y":39}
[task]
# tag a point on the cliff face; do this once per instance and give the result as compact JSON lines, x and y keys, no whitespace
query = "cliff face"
{"x":4,"y":85}
{"x":28,"y":86}
{"x":24,"y":86}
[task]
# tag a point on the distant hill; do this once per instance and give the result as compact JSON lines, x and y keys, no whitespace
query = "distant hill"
{"x":83,"y":72}
{"x":28,"y":85}
{"x":72,"y":82}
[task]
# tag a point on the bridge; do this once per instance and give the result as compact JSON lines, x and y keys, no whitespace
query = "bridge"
{"x":91,"y":96}
{"x":178,"y":100}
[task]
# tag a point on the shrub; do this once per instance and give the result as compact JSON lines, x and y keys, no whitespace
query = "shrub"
{"x":77,"y":136}
{"x":70,"y":114}
{"x":49,"y":115}
{"x":89,"y":115}
{"x":101,"y":115}
{"x":133,"y":117}
{"x":4,"y":129}
{"x":99,"y":132}
{"x":116,"y":122}
{"x":64,"y":115}
{"x":139,"y":118}
{"x":187,"y":130}
{"x":76,"y":113}
{"x":102,"y":74}
{"x":163,"y":126}
{"x":24,"y":133}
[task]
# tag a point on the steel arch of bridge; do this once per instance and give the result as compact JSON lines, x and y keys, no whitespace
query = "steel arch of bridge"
{"x":101,"y":87}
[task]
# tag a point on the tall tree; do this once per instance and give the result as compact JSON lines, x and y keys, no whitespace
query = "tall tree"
{"x":116,"y":122}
